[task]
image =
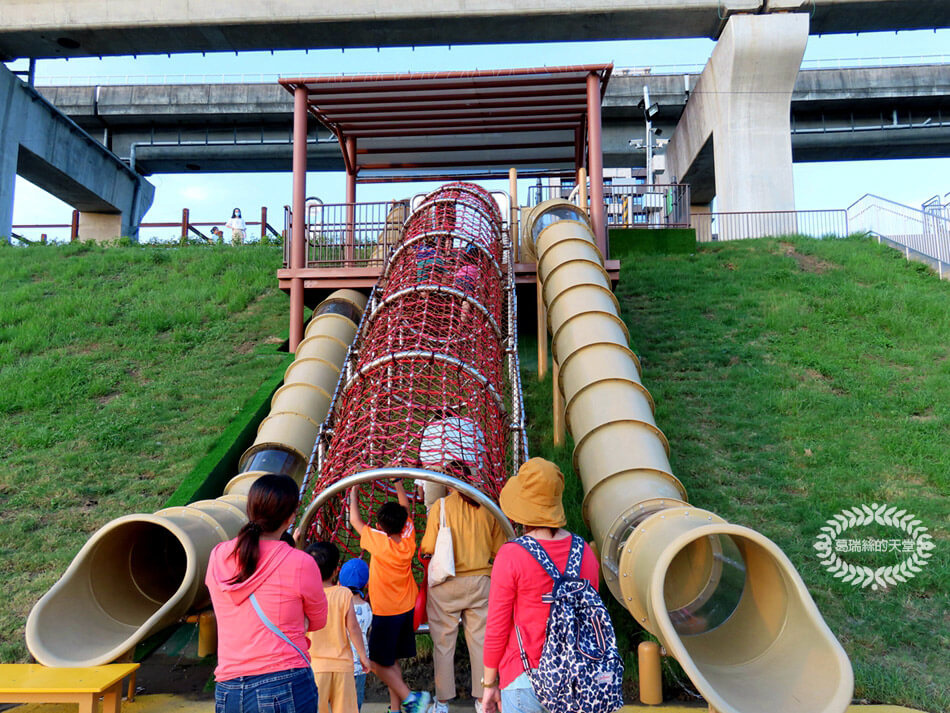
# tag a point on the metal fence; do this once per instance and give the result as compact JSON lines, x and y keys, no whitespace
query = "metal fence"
{"x":630,"y":205}
{"x":919,"y":234}
{"x":712,"y":227}
{"x":350,"y":234}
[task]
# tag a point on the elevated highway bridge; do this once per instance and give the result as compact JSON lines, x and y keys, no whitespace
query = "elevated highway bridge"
{"x":89,"y":28}
{"x":836,"y":115}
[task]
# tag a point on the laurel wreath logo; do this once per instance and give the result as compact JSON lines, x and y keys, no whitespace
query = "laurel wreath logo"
{"x":881,"y":577}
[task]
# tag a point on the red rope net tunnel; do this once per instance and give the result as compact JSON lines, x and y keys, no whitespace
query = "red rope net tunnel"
{"x":427,"y":385}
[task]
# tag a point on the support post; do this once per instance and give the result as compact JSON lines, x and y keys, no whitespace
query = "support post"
{"x":582,"y":193}
{"x":651,"y":681}
{"x":736,"y":121}
{"x":557,"y":405}
{"x":542,"y":328}
{"x":184,"y":226}
{"x":513,"y":218}
{"x":298,"y":248}
{"x":595,"y":162}
{"x":74,"y":227}
{"x":350,"y":249}
{"x":263,"y":224}
{"x":9,"y":151}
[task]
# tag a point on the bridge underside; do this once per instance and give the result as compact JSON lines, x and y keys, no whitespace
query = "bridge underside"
{"x":836,"y":115}
{"x":79,"y":28}
{"x":42,"y":145}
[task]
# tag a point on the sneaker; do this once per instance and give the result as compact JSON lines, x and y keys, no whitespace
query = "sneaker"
{"x":478,"y":706}
{"x":417,"y":702}
{"x":439,"y":707}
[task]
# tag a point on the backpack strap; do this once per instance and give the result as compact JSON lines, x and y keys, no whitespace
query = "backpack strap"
{"x":573,"y":567}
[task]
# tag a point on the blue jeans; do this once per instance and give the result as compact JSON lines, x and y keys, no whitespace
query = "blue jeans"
{"x":360,"y":689}
{"x":292,"y":691}
{"x":518,"y":697}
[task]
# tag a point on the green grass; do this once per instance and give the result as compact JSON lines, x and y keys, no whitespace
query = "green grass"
{"x":120,"y":368}
{"x":795,"y":378}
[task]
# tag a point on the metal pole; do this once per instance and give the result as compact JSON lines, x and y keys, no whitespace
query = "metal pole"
{"x":595,"y":160}
{"x":298,"y":249}
{"x":542,"y":327}
{"x":582,"y":193}
{"x":649,"y":134}
{"x":513,"y":217}
{"x":349,"y":250}
{"x":557,"y":405}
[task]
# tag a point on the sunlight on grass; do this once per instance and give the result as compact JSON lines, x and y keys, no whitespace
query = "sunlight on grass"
{"x":118,"y":369}
{"x":794,"y":378}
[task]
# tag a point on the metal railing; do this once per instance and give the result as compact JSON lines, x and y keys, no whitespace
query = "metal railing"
{"x":647,"y":206}
{"x":919,"y":234}
{"x":630,"y":205}
{"x":712,"y":227}
{"x":350,"y":234}
{"x":178,"y":230}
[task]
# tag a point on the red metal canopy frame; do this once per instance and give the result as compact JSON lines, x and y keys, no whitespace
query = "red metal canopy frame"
{"x":436,"y":125}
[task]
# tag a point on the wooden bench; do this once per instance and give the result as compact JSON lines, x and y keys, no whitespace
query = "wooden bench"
{"x":32,"y":683}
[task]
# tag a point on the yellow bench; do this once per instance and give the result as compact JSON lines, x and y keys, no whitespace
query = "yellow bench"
{"x":32,"y":683}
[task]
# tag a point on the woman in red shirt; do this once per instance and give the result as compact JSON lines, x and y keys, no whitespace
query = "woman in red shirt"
{"x":533,"y":499}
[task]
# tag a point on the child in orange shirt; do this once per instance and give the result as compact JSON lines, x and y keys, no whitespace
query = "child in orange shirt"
{"x":330,"y":654}
{"x":392,"y":595}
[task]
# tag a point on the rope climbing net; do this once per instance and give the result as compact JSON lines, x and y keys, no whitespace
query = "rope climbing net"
{"x":425,"y":385}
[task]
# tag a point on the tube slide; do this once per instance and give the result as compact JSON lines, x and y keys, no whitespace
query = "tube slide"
{"x":141,"y":573}
{"x":723,"y":599}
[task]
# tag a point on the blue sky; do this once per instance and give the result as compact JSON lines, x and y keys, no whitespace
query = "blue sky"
{"x":212,"y":196}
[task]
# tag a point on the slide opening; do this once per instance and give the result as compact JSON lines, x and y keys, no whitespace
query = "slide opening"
{"x":138,"y":567}
{"x":704,"y":585}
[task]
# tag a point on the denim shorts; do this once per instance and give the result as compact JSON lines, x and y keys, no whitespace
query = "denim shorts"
{"x":360,"y":689}
{"x":292,"y":691}
{"x":518,"y":697}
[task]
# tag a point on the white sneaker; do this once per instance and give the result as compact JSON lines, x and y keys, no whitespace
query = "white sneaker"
{"x":439,"y":707}
{"x":478,"y":706}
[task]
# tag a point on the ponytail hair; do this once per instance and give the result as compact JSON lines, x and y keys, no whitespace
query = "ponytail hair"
{"x":271,"y":500}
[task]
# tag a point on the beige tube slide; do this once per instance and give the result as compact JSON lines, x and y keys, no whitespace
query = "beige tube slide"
{"x":141,"y":573}
{"x":723,"y":599}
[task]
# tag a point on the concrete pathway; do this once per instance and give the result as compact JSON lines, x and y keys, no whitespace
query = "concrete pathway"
{"x":164,"y":703}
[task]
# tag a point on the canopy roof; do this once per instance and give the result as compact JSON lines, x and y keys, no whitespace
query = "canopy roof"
{"x":473,"y":124}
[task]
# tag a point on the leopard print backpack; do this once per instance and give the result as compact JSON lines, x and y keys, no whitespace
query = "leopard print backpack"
{"x":580,"y":670}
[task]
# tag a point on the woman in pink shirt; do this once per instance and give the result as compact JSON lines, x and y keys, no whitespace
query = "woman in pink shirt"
{"x":533,"y":499}
{"x":258,"y":668}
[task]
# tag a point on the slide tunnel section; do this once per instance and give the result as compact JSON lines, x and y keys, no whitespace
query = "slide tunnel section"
{"x":722,"y":599}
{"x":140,"y":573}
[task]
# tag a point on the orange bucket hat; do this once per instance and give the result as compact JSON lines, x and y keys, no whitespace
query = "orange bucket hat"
{"x":533,"y":497}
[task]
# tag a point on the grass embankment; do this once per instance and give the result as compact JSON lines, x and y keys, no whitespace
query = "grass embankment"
{"x":119,"y":369}
{"x":795,"y":378}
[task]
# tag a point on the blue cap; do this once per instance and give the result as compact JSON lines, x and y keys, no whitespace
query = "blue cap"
{"x":354,"y":573}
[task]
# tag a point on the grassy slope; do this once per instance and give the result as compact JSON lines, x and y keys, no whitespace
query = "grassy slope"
{"x":793,"y":379}
{"x":119,"y":368}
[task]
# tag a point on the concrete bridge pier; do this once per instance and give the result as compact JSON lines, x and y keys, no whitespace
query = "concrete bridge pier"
{"x":44,"y":146}
{"x":733,"y":141}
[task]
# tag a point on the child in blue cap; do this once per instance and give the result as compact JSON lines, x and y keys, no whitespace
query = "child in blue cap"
{"x":354,"y":574}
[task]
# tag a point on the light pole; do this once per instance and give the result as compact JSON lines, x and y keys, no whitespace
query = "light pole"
{"x":649,"y":111}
